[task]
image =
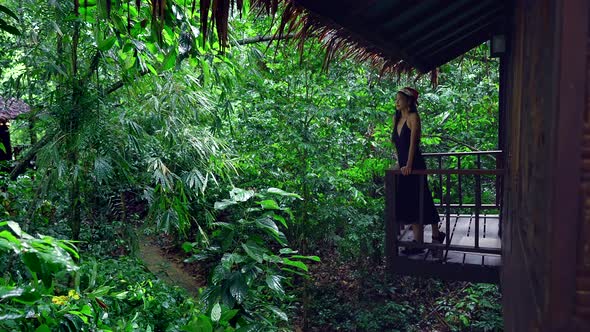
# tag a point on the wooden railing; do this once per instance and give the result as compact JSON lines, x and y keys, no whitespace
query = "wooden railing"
{"x":495,"y":155}
{"x":392,"y":226}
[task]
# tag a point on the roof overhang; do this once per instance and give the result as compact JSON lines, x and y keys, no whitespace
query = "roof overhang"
{"x":425,"y":33}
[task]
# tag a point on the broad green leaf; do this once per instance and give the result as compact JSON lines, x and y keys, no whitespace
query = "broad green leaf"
{"x":169,"y":61}
{"x":86,"y":310}
{"x":223,"y":204}
{"x":8,"y":292}
{"x":42,"y":328}
{"x":200,"y":323}
{"x":227,"y":315}
{"x":269,"y":204}
{"x":298,"y":272}
{"x":274,"y":283}
{"x":268,"y":224}
{"x":270,"y":227}
{"x":297,"y":264}
{"x":240,"y":195}
{"x":271,"y":258}
{"x":130,"y":62}
{"x":282,"y":193}
{"x":313,"y":258}
{"x":216,"y":313}
{"x":9,"y":241}
{"x":285,"y":251}
{"x":79,"y":315}
{"x":218,"y":274}
{"x":280,"y":219}
{"x":121,"y":295}
{"x":187,"y":247}
{"x":238,"y":288}
{"x":107,"y":44}
{"x":100,"y":291}
{"x":254,"y":251}
{"x":15,"y":228}
{"x":281,"y":314}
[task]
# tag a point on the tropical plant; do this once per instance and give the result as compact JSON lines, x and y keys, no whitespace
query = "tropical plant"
{"x":253,"y":257}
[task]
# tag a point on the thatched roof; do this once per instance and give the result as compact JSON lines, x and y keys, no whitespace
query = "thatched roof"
{"x":10,"y":108}
{"x":395,"y":36}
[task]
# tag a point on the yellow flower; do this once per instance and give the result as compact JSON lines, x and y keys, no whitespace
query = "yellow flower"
{"x":59,"y":300}
{"x":72,"y":293}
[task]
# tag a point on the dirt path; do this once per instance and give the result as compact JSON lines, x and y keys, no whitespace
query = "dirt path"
{"x":166,"y":269}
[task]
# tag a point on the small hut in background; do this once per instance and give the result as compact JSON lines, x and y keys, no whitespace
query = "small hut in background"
{"x":9,"y":109}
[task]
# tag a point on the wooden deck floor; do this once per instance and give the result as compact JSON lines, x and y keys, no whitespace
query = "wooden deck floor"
{"x":462,"y":232}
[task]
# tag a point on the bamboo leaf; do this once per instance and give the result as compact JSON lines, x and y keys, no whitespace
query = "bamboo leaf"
{"x":107,"y":44}
{"x":10,"y":29}
{"x":8,"y":12}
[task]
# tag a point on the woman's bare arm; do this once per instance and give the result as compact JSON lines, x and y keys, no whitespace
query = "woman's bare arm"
{"x":415,"y":128}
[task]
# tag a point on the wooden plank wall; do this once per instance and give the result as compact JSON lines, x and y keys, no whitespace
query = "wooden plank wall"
{"x":582,"y":302}
{"x":530,"y":106}
{"x":546,"y":244}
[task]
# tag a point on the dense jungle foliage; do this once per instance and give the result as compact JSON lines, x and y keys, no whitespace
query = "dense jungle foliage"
{"x":255,"y":172}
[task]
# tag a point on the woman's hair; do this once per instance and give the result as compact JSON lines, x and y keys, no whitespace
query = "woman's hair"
{"x":413,"y":108}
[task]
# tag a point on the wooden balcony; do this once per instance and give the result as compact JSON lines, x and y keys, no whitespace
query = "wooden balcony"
{"x":472,"y":248}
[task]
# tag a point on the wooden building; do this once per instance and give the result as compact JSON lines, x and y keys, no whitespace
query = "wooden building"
{"x":544,"y":132}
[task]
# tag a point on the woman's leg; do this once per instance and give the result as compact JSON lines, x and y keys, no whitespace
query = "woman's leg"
{"x":435,"y":231}
{"x":418,"y":231}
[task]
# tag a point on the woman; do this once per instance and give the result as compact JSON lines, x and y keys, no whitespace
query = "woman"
{"x":406,"y":137}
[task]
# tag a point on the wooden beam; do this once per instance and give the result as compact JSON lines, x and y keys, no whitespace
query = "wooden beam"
{"x":452,"y":53}
{"x":260,"y":39}
{"x":450,"y":38}
{"x":470,"y":153}
{"x":448,"y":271}
{"x":434,"y":18}
{"x":451,"y":23}
{"x":451,"y":171}
{"x":407,"y":18}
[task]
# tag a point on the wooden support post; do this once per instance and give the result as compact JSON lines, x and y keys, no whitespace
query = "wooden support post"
{"x":391,"y":226}
{"x":421,"y":212}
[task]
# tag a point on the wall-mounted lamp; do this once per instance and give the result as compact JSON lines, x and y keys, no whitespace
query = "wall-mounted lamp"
{"x":497,"y":45}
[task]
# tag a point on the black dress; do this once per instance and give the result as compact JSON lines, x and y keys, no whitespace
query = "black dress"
{"x":407,"y":194}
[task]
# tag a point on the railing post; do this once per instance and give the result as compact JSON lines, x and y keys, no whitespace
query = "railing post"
{"x":459,"y":183}
{"x":440,"y":181}
{"x":391,"y":226}
{"x":448,"y":211}
{"x":477,"y":208}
